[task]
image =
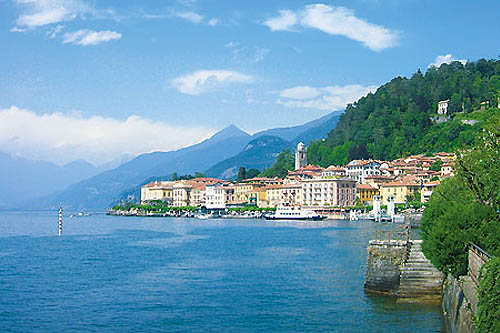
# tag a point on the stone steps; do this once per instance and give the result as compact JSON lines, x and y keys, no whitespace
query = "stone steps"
{"x":419,"y":278}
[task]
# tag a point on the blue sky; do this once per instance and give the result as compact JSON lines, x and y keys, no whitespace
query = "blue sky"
{"x":96,"y":79}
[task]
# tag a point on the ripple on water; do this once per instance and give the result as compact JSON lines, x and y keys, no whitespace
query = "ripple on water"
{"x":170,"y":241}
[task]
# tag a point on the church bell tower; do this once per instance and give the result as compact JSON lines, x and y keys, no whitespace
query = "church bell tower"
{"x":300,"y":156}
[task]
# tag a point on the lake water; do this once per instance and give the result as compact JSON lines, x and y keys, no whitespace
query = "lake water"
{"x":118,"y":274}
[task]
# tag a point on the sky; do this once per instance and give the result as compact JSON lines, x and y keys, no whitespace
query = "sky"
{"x":94,"y":79}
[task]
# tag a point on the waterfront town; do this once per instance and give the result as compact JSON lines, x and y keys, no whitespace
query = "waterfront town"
{"x":328,"y":190}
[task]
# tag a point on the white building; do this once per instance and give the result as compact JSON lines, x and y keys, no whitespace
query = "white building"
{"x":443,"y":107}
{"x":215,"y":197}
{"x":360,"y":169}
{"x":300,"y":156}
{"x":333,"y":172}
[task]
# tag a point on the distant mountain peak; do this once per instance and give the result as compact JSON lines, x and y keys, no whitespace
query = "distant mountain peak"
{"x":228,"y":132}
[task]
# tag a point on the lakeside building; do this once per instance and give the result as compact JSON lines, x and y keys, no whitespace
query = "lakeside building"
{"x":360,"y":169}
{"x":289,"y":193}
{"x":427,"y":190}
{"x":307,"y":172}
{"x":311,"y":185}
{"x":263,"y":181}
{"x":329,"y":192}
{"x":398,"y":190}
{"x":333,"y":172}
{"x":157,"y":190}
{"x":182,"y":194}
{"x":215,"y":197}
{"x":197,"y":195}
{"x":365,"y":193}
{"x":259,"y":197}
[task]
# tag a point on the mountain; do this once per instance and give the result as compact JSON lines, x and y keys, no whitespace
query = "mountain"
{"x":319,"y":130}
{"x":99,"y":191}
{"x":22,"y":179}
{"x":260,"y":153}
{"x":290,"y":133}
{"x":399,"y":119}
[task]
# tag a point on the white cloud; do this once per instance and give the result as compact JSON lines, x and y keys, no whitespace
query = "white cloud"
{"x":300,"y":92}
{"x":86,"y":37}
{"x":52,"y":33}
{"x":17,"y":29}
{"x":42,"y":12}
{"x":61,"y":138}
{"x":189,"y":16}
{"x":446,"y":59}
{"x":245,"y":54}
{"x":205,"y":80}
{"x":213,"y":22}
{"x":336,"y":21}
{"x":285,"y":21}
{"x":330,"y":98}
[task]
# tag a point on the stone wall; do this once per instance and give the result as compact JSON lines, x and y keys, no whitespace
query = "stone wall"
{"x":459,"y":304}
{"x":385,"y":259}
{"x":460,"y":297}
{"x":477,"y":258}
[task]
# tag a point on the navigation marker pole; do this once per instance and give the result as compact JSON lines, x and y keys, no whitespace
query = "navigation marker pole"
{"x":60,"y":221}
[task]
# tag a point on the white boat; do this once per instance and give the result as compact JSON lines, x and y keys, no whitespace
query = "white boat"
{"x":289,"y":212}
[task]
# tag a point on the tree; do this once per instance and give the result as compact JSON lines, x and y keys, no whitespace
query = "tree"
{"x":284,"y":163}
{"x":199,"y":175}
{"x":436,"y":166}
{"x":480,"y":167}
{"x":175,"y":176}
{"x":242,"y":174}
{"x":251,"y":173}
{"x":450,"y":222}
{"x":488,"y":316}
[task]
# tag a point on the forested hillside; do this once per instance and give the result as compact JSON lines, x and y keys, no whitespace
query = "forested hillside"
{"x":396,"y":120}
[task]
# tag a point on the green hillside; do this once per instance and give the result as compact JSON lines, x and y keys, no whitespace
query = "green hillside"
{"x":396,"y":120}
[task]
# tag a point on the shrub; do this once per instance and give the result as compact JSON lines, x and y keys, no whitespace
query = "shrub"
{"x":450,"y":222}
{"x":488,"y":314}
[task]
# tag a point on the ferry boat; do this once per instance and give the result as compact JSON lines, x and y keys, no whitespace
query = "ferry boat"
{"x":288,"y":212}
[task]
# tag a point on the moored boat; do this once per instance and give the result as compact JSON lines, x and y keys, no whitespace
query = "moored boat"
{"x":289,"y":212}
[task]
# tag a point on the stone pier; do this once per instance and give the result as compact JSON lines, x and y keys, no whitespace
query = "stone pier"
{"x":399,"y":268}
{"x":383,"y":270}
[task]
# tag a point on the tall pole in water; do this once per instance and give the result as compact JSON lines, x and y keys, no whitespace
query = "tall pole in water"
{"x":60,"y":221}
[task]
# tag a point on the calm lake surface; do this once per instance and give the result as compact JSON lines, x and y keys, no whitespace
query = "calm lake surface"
{"x":119,"y":274}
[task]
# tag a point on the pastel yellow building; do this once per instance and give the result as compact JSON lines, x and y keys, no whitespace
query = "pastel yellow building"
{"x":157,"y":190}
{"x":399,"y":190}
{"x":242,"y":191}
{"x":365,"y":193}
{"x":259,"y":197}
{"x":182,"y":194}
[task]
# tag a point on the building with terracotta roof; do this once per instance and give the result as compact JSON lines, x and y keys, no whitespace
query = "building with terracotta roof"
{"x":307,"y":172}
{"x":290,"y":193}
{"x":365,"y":193}
{"x":333,"y":172}
{"x":360,"y":169}
{"x":329,"y":192}
{"x":263,"y":180}
{"x":400,"y":190}
{"x":157,"y":190}
{"x":182,"y":194}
